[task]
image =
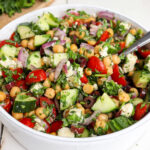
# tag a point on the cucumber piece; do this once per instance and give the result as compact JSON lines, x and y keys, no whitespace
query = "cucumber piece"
{"x":25,"y":31}
{"x":24,"y":103}
{"x":141,"y":79}
{"x":8,"y":51}
{"x":137,"y":101}
{"x":34,"y":60}
{"x":68,"y":98}
{"x":129,"y":40}
{"x":104,"y":104}
{"x":56,"y":58}
{"x":85,"y":133}
{"x":46,"y":21}
{"x":41,"y":39}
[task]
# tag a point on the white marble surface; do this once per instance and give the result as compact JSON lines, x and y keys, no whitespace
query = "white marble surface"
{"x":137,"y":9}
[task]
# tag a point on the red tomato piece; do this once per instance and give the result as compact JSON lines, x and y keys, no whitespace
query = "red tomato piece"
{"x":144,"y":53}
{"x":12,"y":36}
{"x":84,"y":79}
{"x":140,"y":111}
{"x":104,"y":36}
{"x":96,"y":64}
{"x":56,"y":125}
{"x":122,"y":46}
{"x":44,"y":101}
{"x":16,"y":73}
{"x":36,"y":76}
{"x":116,"y":76}
{"x":77,"y":130}
{"x":48,"y":130}
{"x":4,"y":42}
{"x":7,"y":104}
{"x":21,"y":84}
{"x":28,"y":122}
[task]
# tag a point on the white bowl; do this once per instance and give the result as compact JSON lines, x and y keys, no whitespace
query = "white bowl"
{"x":32,"y":139}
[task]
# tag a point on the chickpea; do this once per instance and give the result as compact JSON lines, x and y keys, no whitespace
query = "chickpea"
{"x":90,"y":19}
{"x":134,"y":90}
{"x":74,"y":47}
{"x":29,"y":114}
{"x":72,"y":33}
{"x":88,"y":88}
{"x":67,"y":86}
{"x":100,"y":123}
{"x":130,"y":74}
{"x":42,"y":62}
{"x":2,"y":96}
{"x":50,"y":93}
{"x":40,"y":112}
{"x":81,"y":108}
{"x":116,"y":59}
{"x":111,"y":32}
{"x":80,"y":35}
{"x":31,"y":44}
{"x":88,"y":111}
{"x":123,"y":96}
{"x":58,"y":88}
{"x":47,"y":83}
{"x":51,"y":33}
{"x":51,"y":76}
{"x":53,"y":133}
{"x":97,"y":49}
{"x":88,"y":71}
{"x":67,"y":39}
{"x":89,"y":53}
{"x":14,"y":91}
{"x":81,"y":51}
{"x":109,"y":70}
{"x":91,"y":42}
{"x":58,"y":48}
{"x":70,"y":20}
{"x":24,"y":43}
{"x":103,"y":117}
{"x":17,"y":116}
{"x":107,"y":61}
{"x":133,"y":31}
{"x":100,"y":81}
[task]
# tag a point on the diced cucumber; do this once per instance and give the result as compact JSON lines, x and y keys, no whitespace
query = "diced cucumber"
{"x":46,"y":21}
{"x":37,"y":89}
{"x":68,"y":98}
{"x":137,"y":101}
{"x":25,"y":31}
{"x":8,"y":51}
{"x":57,"y":57}
{"x":24,"y":103}
{"x":104,"y":104}
{"x":41,"y":39}
{"x":129,"y":40}
{"x":141,"y":79}
{"x":85,"y":133}
{"x":34,"y":60}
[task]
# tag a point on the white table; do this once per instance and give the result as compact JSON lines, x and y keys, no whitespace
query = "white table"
{"x":138,"y":9}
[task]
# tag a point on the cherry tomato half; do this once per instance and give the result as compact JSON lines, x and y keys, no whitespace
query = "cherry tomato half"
{"x":84,"y":79}
{"x":28,"y":122}
{"x":144,"y":53}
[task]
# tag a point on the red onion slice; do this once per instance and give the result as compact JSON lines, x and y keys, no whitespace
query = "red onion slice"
{"x":48,"y":44}
{"x":59,"y":68}
{"x":22,"y":56}
{"x":86,"y":46}
{"x":59,"y":33}
{"x":93,"y":29}
{"x":65,"y":68}
{"x":105,"y":14}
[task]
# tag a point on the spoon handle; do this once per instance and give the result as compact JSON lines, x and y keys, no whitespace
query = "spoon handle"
{"x":141,"y":42}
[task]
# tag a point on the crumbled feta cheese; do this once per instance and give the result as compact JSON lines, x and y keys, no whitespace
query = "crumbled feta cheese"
{"x":103,"y":52}
{"x":65,"y":132}
{"x":55,"y":38}
{"x":11,"y":63}
{"x":39,"y":125}
{"x":130,"y":63}
{"x":70,"y":70}
{"x":37,"y":86}
{"x":46,"y":60}
{"x":95,"y":86}
{"x":76,"y":111}
{"x":126,"y":25}
{"x":80,"y":71}
{"x":127,"y":110}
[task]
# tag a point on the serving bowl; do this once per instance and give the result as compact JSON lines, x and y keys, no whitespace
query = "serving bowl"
{"x":32,"y":139}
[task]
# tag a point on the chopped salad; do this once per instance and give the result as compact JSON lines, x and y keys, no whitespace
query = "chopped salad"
{"x":65,"y":76}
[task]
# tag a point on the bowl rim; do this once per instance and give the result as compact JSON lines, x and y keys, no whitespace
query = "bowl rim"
{"x":8,"y":117}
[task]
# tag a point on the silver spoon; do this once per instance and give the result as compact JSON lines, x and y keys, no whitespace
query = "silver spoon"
{"x":139,"y":43}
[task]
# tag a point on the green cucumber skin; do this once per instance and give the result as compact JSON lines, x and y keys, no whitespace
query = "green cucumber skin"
{"x":24,"y":106}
